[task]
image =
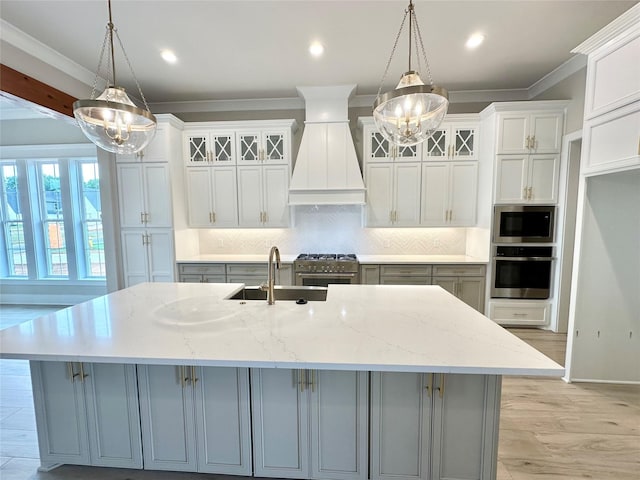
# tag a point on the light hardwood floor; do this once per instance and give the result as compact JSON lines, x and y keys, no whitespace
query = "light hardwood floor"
{"x":549,"y":430}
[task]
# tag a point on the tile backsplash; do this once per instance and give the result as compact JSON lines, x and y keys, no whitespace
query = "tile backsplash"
{"x":334,"y":229}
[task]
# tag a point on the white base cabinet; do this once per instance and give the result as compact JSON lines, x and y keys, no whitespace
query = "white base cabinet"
{"x":87,"y":414}
{"x":434,"y":426}
{"x":310,"y":424}
{"x":195,"y":419}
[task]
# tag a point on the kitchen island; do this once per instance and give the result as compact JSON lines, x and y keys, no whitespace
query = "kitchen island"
{"x":375,"y":382}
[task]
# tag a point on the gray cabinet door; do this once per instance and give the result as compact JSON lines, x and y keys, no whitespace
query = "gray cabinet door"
{"x":87,"y":414}
{"x":434,"y":426}
{"x":400,"y":418}
{"x":113,"y":415}
{"x":280,"y":423}
{"x":465,"y":427}
{"x":339,"y":416}
{"x":223,"y":427}
{"x":167,"y":418}
{"x":60,"y":413}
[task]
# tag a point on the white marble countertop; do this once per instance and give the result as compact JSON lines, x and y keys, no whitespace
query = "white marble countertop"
{"x":231,"y":258}
{"x":359,"y":327}
{"x":364,"y":259}
{"x":424,"y":259}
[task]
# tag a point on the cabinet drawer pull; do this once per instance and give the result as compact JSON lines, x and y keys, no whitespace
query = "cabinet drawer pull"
{"x":429,"y":384}
{"x":516,"y":314}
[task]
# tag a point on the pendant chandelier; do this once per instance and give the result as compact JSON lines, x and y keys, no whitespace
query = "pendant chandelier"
{"x":112,"y":121}
{"x":411,"y":112}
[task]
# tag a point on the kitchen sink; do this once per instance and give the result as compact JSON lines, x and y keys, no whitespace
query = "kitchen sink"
{"x":300,"y":294}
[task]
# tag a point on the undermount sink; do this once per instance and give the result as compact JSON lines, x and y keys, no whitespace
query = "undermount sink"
{"x":283,"y":293}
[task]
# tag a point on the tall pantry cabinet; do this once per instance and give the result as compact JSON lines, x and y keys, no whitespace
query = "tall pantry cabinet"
{"x":145,"y":207}
{"x":604,"y":315}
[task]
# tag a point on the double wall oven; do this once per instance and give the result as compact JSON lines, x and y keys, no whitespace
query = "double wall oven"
{"x":522,"y":252}
{"x":321,"y":269}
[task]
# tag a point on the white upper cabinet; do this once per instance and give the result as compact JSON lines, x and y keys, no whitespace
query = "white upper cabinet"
{"x":263,"y":192}
{"x":144,"y":192}
{"x":379,"y":149}
{"x":212,"y":196}
{"x":527,"y":179}
{"x":209,"y":147}
{"x":257,"y":146}
{"x":449,"y":194}
{"x":456,"y":139}
{"x":530,"y":132}
{"x":157,"y":150}
{"x":613,"y":75}
{"x":393,"y":194}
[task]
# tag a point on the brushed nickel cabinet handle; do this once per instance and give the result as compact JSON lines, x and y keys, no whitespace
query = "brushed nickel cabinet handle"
{"x":194,"y":379}
{"x":72,"y":374}
{"x":301,"y":379}
{"x":146,"y":218}
{"x":312,"y":374}
{"x":441,"y":389}
{"x":82,"y":374}
{"x":213,"y":215}
{"x":141,"y":217}
{"x":429,"y":384}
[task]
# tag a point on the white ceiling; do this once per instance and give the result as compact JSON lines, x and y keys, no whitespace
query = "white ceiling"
{"x":258,"y":49}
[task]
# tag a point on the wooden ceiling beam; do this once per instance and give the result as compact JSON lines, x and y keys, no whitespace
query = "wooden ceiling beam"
{"x":28,"y":88}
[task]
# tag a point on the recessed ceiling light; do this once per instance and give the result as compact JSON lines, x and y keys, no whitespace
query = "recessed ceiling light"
{"x":316,"y":49}
{"x":168,"y":56}
{"x":474,"y":41}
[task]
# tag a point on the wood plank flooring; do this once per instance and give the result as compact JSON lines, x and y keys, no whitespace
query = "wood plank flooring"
{"x":549,"y":430}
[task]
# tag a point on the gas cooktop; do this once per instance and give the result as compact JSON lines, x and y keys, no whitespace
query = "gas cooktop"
{"x":340,"y":257}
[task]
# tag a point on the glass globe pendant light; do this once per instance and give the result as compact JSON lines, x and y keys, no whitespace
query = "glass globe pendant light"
{"x":112,"y":121}
{"x":411,"y":112}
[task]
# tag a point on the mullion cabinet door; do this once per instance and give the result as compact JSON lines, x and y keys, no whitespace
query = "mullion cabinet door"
{"x":275,"y":146}
{"x":197,"y":148}
{"x":249,"y":148}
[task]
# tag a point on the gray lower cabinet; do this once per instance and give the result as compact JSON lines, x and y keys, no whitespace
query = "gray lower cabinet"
{"x":247,"y":273}
{"x":195,"y":418}
{"x":467,"y":282}
{"x":87,"y":414}
{"x":405,"y":274}
{"x":310,"y":424}
{"x":202,"y":273}
{"x":434,"y":426}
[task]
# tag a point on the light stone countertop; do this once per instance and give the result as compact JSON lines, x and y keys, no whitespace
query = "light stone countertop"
{"x":363,"y":259}
{"x":359,"y":327}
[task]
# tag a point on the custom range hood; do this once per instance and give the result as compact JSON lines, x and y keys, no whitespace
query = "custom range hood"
{"x":326,"y":171}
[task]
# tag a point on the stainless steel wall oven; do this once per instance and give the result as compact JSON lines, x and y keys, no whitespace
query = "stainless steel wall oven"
{"x":523,"y":223}
{"x":521,"y":272}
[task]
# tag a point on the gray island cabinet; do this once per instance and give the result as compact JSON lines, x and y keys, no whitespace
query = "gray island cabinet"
{"x":375,"y":382}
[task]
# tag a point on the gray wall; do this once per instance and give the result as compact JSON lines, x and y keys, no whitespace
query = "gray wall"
{"x":40,"y":131}
{"x":571,"y":88}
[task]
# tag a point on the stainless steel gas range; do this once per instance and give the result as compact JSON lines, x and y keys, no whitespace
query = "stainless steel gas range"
{"x":321,"y":269}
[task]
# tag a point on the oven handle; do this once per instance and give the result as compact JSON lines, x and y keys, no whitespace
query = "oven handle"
{"x":326,"y":274}
{"x":525,"y":259}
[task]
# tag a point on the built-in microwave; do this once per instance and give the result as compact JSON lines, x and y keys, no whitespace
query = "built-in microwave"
{"x":523,"y":223}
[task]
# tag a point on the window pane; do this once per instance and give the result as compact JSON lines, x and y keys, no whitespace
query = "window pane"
{"x":92,"y":219}
{"x":53,"y":220}
{"x":12,"y":227}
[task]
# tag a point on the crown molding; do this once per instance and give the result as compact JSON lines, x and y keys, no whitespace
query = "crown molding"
{"x":629,"y":19}
{"x":46,"y":54}
{"x":568,"y":68}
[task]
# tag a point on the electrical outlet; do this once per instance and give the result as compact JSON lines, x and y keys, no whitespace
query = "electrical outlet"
{"x":220,"y":242}
{"x":386,"y":243}
{"x":436,"y":243}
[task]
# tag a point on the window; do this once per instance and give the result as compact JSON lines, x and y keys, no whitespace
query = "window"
{"x":52,"y":214}
{"x":91,"y":219}
{"x":15,"y":253}
{"x":51,"y":219}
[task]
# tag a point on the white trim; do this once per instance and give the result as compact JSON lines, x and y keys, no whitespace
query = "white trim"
{"x":568,"y":68}
{"x":238,"y":105}
{"x":629,"y":19}
{"x":474,"y":96}
{"x":8,"y":152}
{"x":46,"y":54}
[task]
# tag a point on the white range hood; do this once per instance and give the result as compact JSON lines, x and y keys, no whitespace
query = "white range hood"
{"x":326,"y":171}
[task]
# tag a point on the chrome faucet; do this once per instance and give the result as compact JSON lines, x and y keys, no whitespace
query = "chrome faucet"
{"x":271,"y":278}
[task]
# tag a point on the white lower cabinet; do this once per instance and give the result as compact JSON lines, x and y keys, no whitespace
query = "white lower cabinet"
{"x":147,"y":256}
{"x":310,"y":424}
{"x":520,"y":312}
{"x":195,"y":418}
{"x":87,"y":414}
{"x":434,"y":426}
